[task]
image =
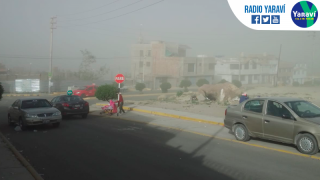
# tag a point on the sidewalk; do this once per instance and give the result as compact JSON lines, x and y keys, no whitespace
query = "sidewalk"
{"x":172,"y":113}
{"x":10,"y":167}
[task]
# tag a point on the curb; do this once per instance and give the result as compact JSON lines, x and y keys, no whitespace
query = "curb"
{"x":168,"y":115}
{"x":19,"y":95}
{"x":23,"y":161}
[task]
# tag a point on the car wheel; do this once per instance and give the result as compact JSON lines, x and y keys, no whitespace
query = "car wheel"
{"x":56,"y":124}
{"x":307,"y":144}
{"x":10,"y":123}
{"x":84,"y":116}
{"x":241,"y":133}
{"x":22,"y":125}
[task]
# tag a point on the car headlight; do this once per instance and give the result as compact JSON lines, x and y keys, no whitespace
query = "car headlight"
{"x":31,"y":115}
{"x":77,"y":92}
{"x":57,"y":113}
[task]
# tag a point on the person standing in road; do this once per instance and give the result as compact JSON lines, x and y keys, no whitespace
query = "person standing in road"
{"x":120,"y":103}
{"x":243,"y":97}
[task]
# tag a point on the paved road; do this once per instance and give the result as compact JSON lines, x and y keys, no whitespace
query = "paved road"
{"x":108,"y":148}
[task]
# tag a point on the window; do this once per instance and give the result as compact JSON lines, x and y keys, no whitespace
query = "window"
{"x":254,"y":65}
{"x":235,"y":77}
{"x":148,"y":64}
{"x":71,"y":98}
{"x":254,"y":106}
{"x":89,"y":89}
{"x":243,"y":78}
{"x":246,"y":66}
{"x":53,"y":100}
{"x":304,"y":109}
{"x":141,"y":53}
{"x":256,"y":77}
{"x":277,"y":109}
{"x":15,"y":104}
{"x":82,"y":88}
{"x":141,"y":64}
{"x":58,"y":99}
{"x":234,"y":66}
{"x":149,"y":53}
{"x":35,"y":103}
{"x":191,"y":67}
{"x":211,"y":66}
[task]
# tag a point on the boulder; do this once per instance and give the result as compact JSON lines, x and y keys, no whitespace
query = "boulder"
{"x":162,"y":97}
{"x":220,"y":92}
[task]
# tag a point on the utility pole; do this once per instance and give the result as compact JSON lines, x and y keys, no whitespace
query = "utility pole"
{"x":143,"y":65}
{"x":313,"y":36}
{"x":276,"y":83}
{"x":51,"y":47}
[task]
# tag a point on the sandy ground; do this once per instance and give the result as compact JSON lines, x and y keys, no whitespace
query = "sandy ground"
{"x":214,"y":109}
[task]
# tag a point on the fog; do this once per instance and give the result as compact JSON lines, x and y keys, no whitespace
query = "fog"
{"x":108,"y":29}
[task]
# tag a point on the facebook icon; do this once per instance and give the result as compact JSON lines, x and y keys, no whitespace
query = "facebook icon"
{"x":255,"y":19}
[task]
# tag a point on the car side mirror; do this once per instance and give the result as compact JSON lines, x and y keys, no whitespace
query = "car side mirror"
{"x":286,"y":116}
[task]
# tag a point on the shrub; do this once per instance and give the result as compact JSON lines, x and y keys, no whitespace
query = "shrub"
{"x":222,"y":81}
{"x":165,"y":86}
{"x":296,"y":84}
{"x":1,"y":91}
{"x":185,"y":84}
{"x":106,"y":92}
{"x":201,"y":82}
{"x":237,"y":83}
{"x":179,"y":93}
{"x":140,"y":86}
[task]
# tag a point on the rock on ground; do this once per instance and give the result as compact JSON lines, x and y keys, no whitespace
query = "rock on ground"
{"x":213,"y":92}
{"x":162,"y":97}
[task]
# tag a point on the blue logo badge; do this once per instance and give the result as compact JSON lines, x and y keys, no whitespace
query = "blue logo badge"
{"x":255,"y":19}
{"x":265,"y":19}
{"x":304,"y":14}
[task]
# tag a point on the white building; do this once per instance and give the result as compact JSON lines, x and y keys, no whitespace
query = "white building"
{"x":248,"y":71}
{"x":299,"y":73}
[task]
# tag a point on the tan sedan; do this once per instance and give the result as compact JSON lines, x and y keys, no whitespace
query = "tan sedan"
{"x":287,"y":120}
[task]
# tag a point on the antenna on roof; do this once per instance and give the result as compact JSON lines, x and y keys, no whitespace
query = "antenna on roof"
{"x":140,"y":38}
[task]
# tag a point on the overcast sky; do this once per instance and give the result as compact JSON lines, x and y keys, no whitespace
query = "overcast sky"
{"x":208,"y":26}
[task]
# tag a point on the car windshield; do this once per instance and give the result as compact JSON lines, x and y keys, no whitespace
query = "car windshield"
{"x":304,"y":109}
{"x":71,"y":98}
{"x":82,"y":88}
{"x":35,"y":103}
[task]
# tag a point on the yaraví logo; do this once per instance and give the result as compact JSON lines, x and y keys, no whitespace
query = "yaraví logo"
{"x":304,"y":14}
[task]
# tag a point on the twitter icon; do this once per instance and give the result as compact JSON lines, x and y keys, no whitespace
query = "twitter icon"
{"x":265,"y":19}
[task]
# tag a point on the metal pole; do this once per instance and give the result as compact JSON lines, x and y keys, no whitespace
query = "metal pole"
{"x":143,"y":64}
{"x":276,"y":83}
{"x":118,"y":93}
{"x":51,"y":48}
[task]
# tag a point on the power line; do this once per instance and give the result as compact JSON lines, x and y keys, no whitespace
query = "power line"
{"x":91,"y":9}
{"x":122,"y":14}
{"x":104,"y":13}
{"x":80,"y":58}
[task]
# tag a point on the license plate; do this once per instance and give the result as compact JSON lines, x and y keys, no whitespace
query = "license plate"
{"x":46,"y":121}
{"x":77,"y":106}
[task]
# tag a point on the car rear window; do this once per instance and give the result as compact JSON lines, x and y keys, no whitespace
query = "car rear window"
{"x":254,"y":106}
{"x":71,"y":98}
{"x":35,"y":103}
